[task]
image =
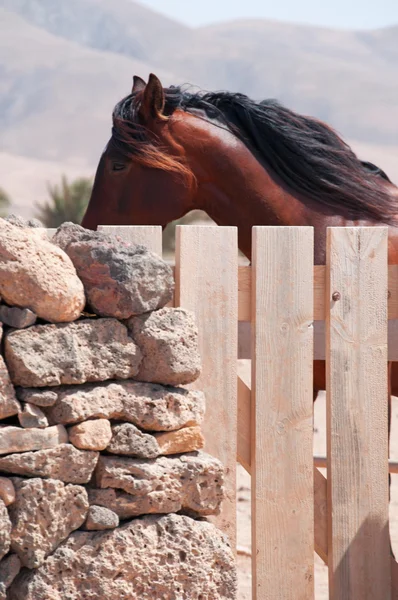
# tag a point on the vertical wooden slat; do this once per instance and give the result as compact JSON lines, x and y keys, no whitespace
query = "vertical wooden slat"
{"x":282,"y":413}
{"x":147,"y":235}
{"x":356,"y":336}
{"x":207,"y":284}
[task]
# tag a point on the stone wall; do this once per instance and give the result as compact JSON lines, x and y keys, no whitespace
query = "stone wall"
{"x":104,"y":486}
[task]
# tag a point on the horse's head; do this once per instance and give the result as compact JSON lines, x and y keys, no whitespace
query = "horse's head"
{"x":143,"y":176}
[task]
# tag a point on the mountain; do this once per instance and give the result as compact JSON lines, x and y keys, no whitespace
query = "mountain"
{"x":64,"y":65}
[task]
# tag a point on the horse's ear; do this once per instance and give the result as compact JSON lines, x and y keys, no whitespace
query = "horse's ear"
{"x":138,"y":84}
{"x":153,"y":100}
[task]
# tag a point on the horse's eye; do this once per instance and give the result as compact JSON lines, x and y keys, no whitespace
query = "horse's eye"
{"x":118,"y":166}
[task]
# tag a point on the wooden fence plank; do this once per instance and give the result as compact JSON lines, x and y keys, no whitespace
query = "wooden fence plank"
{"x":282,"y":414}
{"x":359,"y":560}
{"x":147,"y":235}
{"x":207,"y":283}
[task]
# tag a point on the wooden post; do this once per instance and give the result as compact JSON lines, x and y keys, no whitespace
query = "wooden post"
{"x":356,"y":332}
{"x":282,"y":414}
{"x":207,"y":283}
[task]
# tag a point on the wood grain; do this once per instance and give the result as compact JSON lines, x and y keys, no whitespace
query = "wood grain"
{"x":282,"y":414}
{"x":207,"y":283}
{"x":357,"y":433}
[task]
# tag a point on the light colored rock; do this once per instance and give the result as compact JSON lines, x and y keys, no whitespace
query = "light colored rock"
{"x":120,"y":279}
{"x":163,"y":485}
{"x":168,"y":340}
{"x":9,"y":405}
{"x":17,"y":439}
{"x":100,"y":518}
{"x":17,"y":317}
{"x":7,"y":490}
{"x":149,"y":406}
{"x":5,"y":530}
{"x":64,"y":462}
{"x":128,"y":440}
{"x":37,"y":275}
{"x":89,"y":350}
{"x":19,"y":221}
{"x":44,"y":513}
{"x":38,"y":397}
{"x":169,"y":557}
{"x":91,"y":435}
{"x":9,"y":569}
{"x":32,"y":416}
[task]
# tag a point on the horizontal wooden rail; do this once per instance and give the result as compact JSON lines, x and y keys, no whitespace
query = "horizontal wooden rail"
{"x":320,"y":463}
{"x":244,"y":291}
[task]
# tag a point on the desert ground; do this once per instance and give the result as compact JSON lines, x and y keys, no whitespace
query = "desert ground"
{"x":243,"y":506}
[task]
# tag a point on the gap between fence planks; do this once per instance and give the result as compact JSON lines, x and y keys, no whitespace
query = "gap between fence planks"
{"x":282,"y":414}
{"x":207,"y":283}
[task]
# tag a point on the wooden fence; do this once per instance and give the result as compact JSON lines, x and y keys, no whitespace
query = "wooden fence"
{"x":265,"y":420}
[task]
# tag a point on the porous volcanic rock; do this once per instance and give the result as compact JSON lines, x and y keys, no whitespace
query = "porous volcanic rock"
{"x":17,"y":317}
{"x":37,"y":396}
{"x":168,"y":340}
{"x":19,"y":221}
{"x":7,"y":491}
{"x":120,"y":279}
{"x":191,"y":482}
{"x":5,"y":530}
{"x":166,"y":557}
{"x":149,"y":406}
{"x":31,"y":416}
{"x":89,"y":350}
{"x":100,"y":518}
{"x":91,"y":435}
{"x":64,"y":462}
{"x":9,"y":405}
{"x":37,"y":275}
{"x":9,"y":569}
{"x":128,"y":440}
{"x":17,"y":439}
{"x":44,"y":513}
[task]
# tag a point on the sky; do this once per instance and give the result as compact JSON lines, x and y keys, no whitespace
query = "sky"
{"x":351,"y":14}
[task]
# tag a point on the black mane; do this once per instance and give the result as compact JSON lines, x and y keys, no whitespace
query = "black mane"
{"x":305,"y":153}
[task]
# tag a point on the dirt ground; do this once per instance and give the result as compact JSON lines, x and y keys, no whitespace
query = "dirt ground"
{"x":243,"y":506}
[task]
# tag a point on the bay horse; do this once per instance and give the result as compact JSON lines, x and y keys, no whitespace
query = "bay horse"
{"x":243,"y":163}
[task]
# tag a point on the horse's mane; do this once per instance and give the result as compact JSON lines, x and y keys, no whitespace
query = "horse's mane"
{"x":305,"y":153}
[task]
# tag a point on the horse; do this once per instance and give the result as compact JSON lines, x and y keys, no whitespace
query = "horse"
{"x":244,"y":163}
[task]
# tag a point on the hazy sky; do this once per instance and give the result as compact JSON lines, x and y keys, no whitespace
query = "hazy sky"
{"x":353,"y":14}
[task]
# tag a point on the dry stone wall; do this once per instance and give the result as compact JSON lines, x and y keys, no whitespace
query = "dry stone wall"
{"x":104,"y":484}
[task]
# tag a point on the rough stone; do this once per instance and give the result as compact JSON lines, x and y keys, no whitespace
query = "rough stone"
{"x":19,"y":221}
{"x":91,"y":435}
{"x":100,"y":518}
{"x":32,"y":416}
{"x":9,"y":405}
{"x":5,"y":530}
{"x":9,"y":569}
{"x":89,"y":350}
{"x":44,"y":513}
{"x":17,"y":439}
{"x":128,"y":440}
{"x":149,"y":406}
{"x":7,"y":491}
{"x":170,"y":557}
{"x":17,"y":317}
{"x":120,"y":279}
{"x":37,"y":275}
{"x":168,"y":340}
{"x":39,"y":397}
{"x":65,"y":462}
{"x":166,"y":484}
